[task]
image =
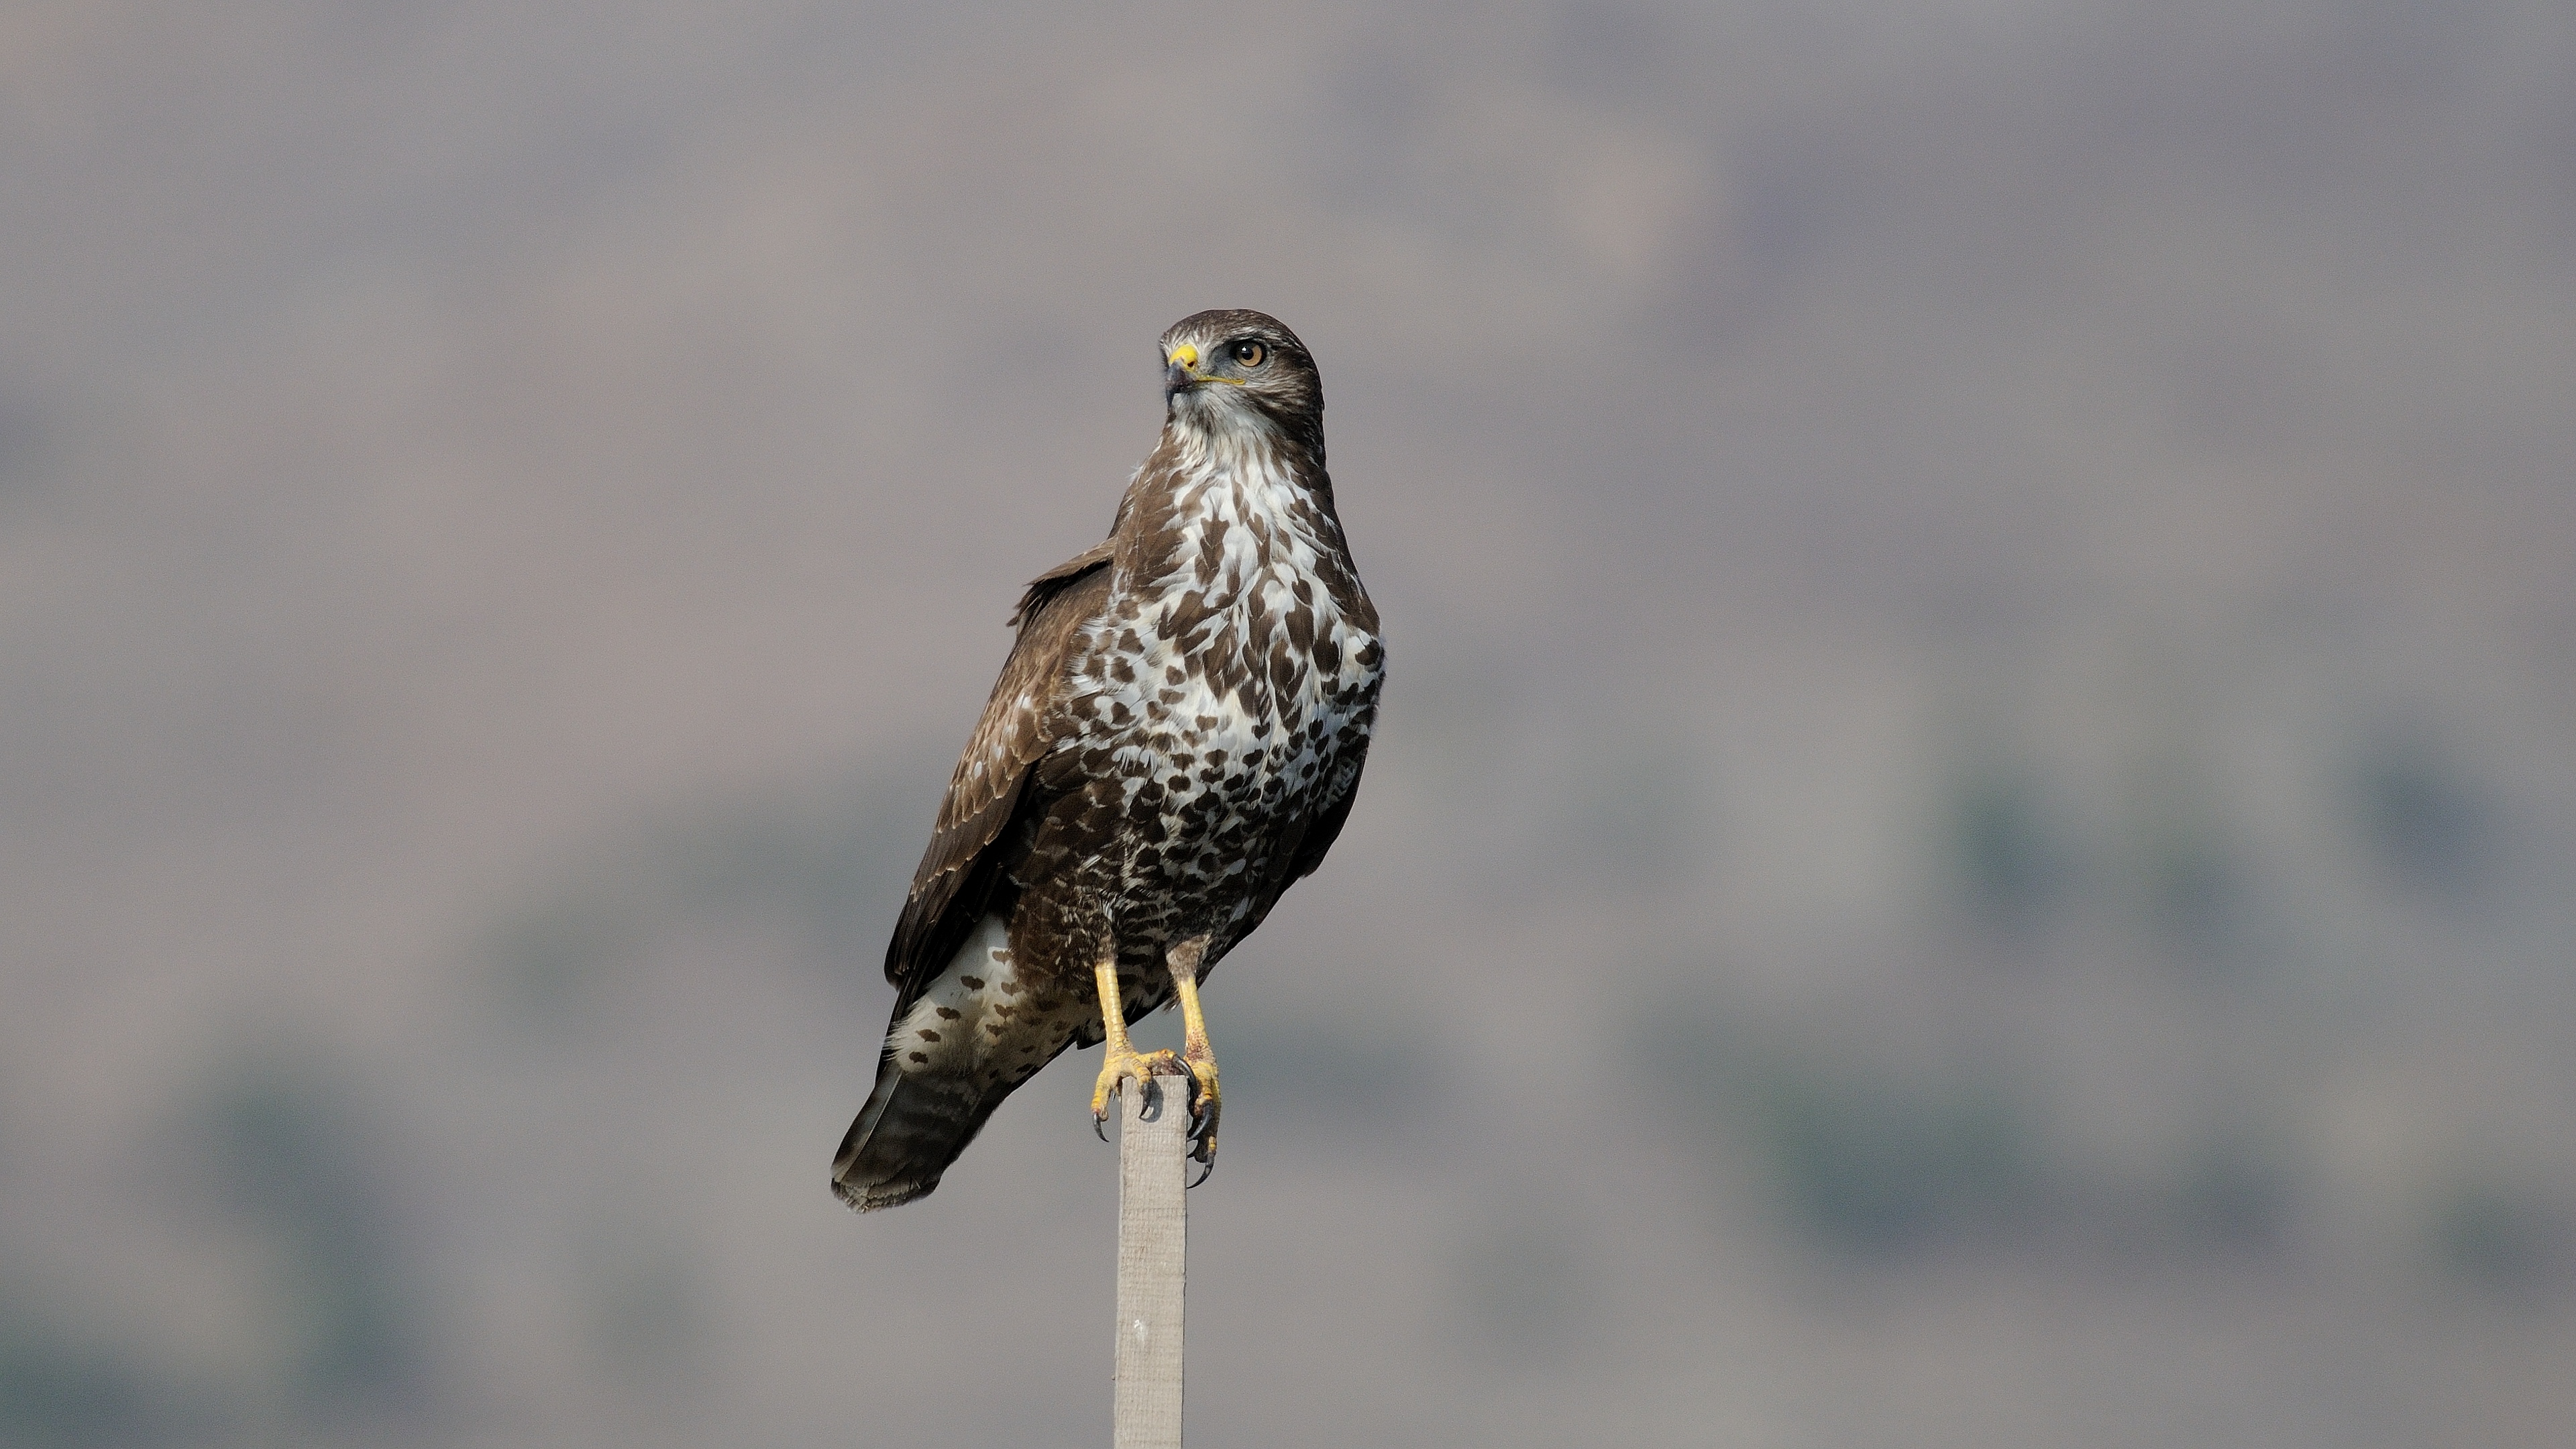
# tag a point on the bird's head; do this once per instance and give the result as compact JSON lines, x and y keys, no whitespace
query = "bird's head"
{"x":1237,"y":372}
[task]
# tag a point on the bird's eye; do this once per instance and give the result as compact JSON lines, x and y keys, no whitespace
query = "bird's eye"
{"x":1251,"y":353}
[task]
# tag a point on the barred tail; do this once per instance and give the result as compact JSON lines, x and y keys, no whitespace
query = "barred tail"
{"x":907,"y":1134}
{"x":966,"y":1041}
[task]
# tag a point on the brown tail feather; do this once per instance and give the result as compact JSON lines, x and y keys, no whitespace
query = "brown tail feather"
{"x":906,"y":1135}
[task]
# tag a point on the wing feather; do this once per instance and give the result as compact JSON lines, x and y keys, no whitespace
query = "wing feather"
{"x":1326,"y":827}
{"x":963,"y":867}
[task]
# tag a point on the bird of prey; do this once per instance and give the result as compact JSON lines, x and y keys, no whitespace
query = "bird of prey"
{"x":1176,"y":737}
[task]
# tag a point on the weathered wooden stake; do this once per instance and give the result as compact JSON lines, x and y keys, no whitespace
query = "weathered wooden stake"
{"x":1153,"y":1244}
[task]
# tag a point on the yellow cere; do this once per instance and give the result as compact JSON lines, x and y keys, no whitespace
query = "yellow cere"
{"x":1187,"y":357}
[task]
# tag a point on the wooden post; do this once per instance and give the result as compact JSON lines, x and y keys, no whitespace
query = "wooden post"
{"x":1153,"y":1242}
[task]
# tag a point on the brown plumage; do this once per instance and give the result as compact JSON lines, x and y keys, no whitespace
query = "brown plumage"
{"x":1176,"y":737}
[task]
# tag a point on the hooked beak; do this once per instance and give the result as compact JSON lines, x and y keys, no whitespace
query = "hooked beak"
{"x":1181,"y":370}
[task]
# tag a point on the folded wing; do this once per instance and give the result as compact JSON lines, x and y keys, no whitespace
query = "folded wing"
{"x":966,"y":865}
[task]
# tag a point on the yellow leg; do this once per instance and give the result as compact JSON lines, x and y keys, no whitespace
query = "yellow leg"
{"x":1196,"y":1053}
{"x":1122,"y":1059}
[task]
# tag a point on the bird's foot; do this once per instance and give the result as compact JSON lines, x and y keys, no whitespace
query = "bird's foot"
{"x":1124,"y":1064}
{"x":1206,"y":1104}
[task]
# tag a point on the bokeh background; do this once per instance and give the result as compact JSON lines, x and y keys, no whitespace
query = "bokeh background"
{"x":1973,"y":841}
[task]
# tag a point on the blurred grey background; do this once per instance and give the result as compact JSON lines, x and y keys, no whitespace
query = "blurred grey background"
{"x":1973,"y":841}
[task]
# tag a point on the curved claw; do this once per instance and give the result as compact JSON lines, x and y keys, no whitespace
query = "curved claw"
{"x":1206,"y":1106}
{"x":1205,"y":1172}
{"x":1119,"y":1067}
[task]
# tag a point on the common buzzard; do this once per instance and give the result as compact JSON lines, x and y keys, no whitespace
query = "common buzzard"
{"x":1176,"y":737}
